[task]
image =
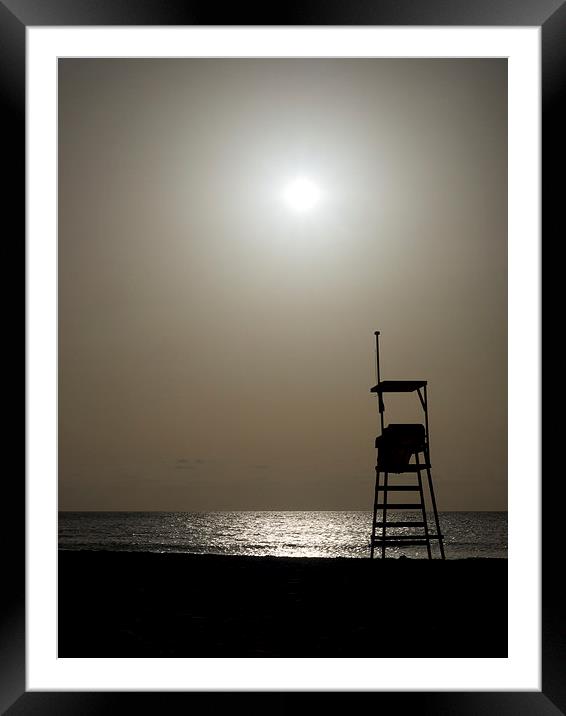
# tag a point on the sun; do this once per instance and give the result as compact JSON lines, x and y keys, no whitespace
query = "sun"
{"x":301,"y":194}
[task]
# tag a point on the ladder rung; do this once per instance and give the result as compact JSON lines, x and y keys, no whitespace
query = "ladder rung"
{"x":406,"y":537}
{"x":399,"y":524}
{"x":401,"y":506}
{"x":400,"y":542}
{"x":406,"y":468}
{"x":400,"y":537}
{"x":395,"y":488}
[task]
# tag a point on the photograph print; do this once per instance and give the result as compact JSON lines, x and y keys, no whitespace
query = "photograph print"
{"x":282,"y":357}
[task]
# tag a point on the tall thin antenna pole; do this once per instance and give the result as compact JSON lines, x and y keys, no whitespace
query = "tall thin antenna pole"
{"x":379,"y":395}
{"x":378,"y":376}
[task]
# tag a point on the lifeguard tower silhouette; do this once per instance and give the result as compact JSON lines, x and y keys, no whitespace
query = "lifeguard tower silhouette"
{"x":396,"y":445}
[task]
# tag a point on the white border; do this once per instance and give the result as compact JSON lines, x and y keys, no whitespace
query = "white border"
{"x":521,"y":671}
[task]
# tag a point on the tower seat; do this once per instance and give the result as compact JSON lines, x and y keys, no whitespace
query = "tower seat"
{"x":397,"y":443}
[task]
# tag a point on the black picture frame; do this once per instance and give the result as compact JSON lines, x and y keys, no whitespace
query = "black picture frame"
{"x":15,"y":17}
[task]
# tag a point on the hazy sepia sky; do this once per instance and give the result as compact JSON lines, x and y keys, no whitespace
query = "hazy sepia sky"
{"x":216,"y":348}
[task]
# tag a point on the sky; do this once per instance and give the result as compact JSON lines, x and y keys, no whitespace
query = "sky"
{"x":216,"y":346}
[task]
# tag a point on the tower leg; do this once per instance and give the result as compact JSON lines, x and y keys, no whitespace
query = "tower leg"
{"x":423,"y":507}
{"x":431,"y":488}
{"x":384,"y":528}
{"x":375,"y":500}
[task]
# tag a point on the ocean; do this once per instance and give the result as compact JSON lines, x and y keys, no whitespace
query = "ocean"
{"x":273,"y":533}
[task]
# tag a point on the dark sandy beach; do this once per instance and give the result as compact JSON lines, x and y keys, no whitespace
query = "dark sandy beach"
{"x":133,"y":604}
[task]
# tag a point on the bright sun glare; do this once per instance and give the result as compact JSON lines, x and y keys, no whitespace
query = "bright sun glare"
{"x":301,"y":194}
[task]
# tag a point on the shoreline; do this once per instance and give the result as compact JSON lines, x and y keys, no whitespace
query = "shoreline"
{"x":213,"y":555}
{"x":144,"y":604}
